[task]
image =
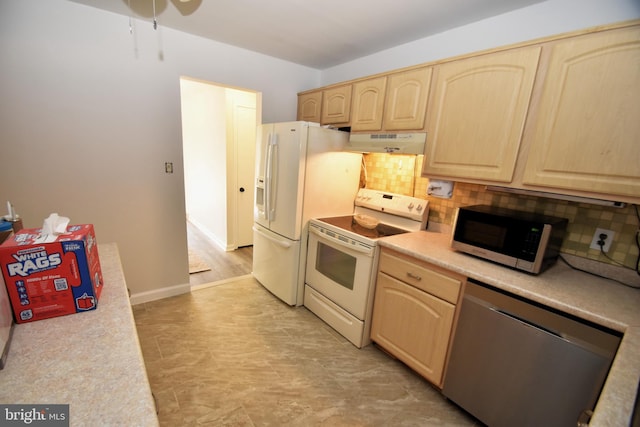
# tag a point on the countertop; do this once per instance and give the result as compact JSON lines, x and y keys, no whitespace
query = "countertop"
{"x":91,"y":361}
{"x":586,"y":296}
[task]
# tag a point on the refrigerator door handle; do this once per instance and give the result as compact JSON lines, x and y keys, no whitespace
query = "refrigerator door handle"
{"x":273,"y":176}
{"x":267,"y":179}
{"x":280,"y":243}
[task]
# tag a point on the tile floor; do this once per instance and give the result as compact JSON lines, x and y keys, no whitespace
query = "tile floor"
{"x":234,"y":355}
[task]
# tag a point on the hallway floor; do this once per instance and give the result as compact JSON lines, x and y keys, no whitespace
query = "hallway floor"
{"x":234,"y":355}
{"x":224,"y":265}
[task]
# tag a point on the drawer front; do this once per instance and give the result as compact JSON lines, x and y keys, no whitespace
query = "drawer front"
{"x":421,"y":277}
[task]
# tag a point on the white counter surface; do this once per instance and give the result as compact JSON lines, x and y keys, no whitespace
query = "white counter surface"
{"x":91,"y":361}
{"x":586,"y":296}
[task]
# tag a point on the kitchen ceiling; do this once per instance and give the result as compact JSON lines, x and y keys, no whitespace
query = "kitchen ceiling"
{"x":318,"y":34}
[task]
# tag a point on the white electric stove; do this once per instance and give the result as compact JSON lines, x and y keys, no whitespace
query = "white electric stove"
{"x":342,"y":258}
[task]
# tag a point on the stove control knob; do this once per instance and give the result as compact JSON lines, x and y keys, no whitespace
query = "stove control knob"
{"x":419,"y":208}
{"x":411,"y":205}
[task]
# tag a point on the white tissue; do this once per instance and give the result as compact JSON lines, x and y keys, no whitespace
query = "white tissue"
{"x":439,"y":188}
{"x":11,"y":215}
{"x":52,"y":227}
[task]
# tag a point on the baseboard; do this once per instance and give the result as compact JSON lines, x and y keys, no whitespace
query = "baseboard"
{"x":204,"y":230}
{"x":161,"y":293}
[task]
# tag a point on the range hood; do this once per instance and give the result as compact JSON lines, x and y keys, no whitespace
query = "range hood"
{"x":392,"y":143}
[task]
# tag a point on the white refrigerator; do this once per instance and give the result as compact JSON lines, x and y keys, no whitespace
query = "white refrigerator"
{"x":301,"y":173}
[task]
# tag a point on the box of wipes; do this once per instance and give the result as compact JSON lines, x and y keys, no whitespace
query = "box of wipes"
{"x":53,"y":274}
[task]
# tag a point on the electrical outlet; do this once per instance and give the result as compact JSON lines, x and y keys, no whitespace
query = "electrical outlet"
{"x":608,"y":238}
{"x":168,"y":167}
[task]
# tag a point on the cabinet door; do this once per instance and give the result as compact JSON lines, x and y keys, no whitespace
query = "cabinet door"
{"x":477,"y":114}
{"x":309,"y":105}
{"x":586,"y":131}
{"x":406,"y":100}
{"x":412,"y":325}
{"x":336,"y":105}
{"x":368,"y":103}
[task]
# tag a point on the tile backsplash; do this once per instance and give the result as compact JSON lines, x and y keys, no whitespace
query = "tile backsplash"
{"x":401,"y":174}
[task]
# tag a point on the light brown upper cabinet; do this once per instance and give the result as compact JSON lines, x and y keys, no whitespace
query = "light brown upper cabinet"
{"x":406,"y":99}
{"x":585,"y":131}
{"x":368,"y":103}
{"x":309,"y":106}
{"x":477,"y":114}
{"x":329,"y":106}
{"x":397,"y":101}
{"x":336,"y":105}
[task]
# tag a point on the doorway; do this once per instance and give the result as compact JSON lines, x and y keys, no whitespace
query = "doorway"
{"x":219,"y":132}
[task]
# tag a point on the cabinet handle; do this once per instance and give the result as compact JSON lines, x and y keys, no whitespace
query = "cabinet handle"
{"x":413,"y":276}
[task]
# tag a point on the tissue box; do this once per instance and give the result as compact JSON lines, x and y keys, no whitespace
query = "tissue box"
{"x":51,"y":279}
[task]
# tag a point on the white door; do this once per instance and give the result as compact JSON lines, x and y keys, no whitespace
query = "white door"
{"x":289,"y":148}
{"x":261,"y":187}
{"x":280,"y":160}
{"x":244,"y":136}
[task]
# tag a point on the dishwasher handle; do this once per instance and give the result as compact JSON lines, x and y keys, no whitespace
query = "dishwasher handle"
{"x":509,"y":314}
{"x":527,"y":322}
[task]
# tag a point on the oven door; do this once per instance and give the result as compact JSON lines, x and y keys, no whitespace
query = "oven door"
{"x":341,"y":271}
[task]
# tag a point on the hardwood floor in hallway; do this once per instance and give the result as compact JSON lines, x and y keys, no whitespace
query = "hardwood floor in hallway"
{"x":224,"y":265}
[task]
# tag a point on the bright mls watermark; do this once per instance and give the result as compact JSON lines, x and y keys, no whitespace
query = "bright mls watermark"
{"x":34,"y":415}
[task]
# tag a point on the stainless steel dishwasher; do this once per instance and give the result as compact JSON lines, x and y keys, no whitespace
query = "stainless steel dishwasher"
{"x":516,"y":363}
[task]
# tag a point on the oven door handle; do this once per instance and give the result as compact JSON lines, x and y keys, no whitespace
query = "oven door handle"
{"x":361,"y":249}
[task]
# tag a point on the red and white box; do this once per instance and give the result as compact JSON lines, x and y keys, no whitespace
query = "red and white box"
{"x":51,"y":278}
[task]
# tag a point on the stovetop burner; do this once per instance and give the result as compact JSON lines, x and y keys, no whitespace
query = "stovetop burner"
{"x":349,"y":223}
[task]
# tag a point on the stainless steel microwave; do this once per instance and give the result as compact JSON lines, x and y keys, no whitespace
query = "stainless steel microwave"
{"x":521,"y":240}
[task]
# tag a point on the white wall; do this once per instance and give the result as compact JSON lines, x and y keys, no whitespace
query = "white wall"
{"x":89,"y":114}
{"x":540,"y":20}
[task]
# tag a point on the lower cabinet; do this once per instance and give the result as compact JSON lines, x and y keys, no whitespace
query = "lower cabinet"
{"x":414,"y":311}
